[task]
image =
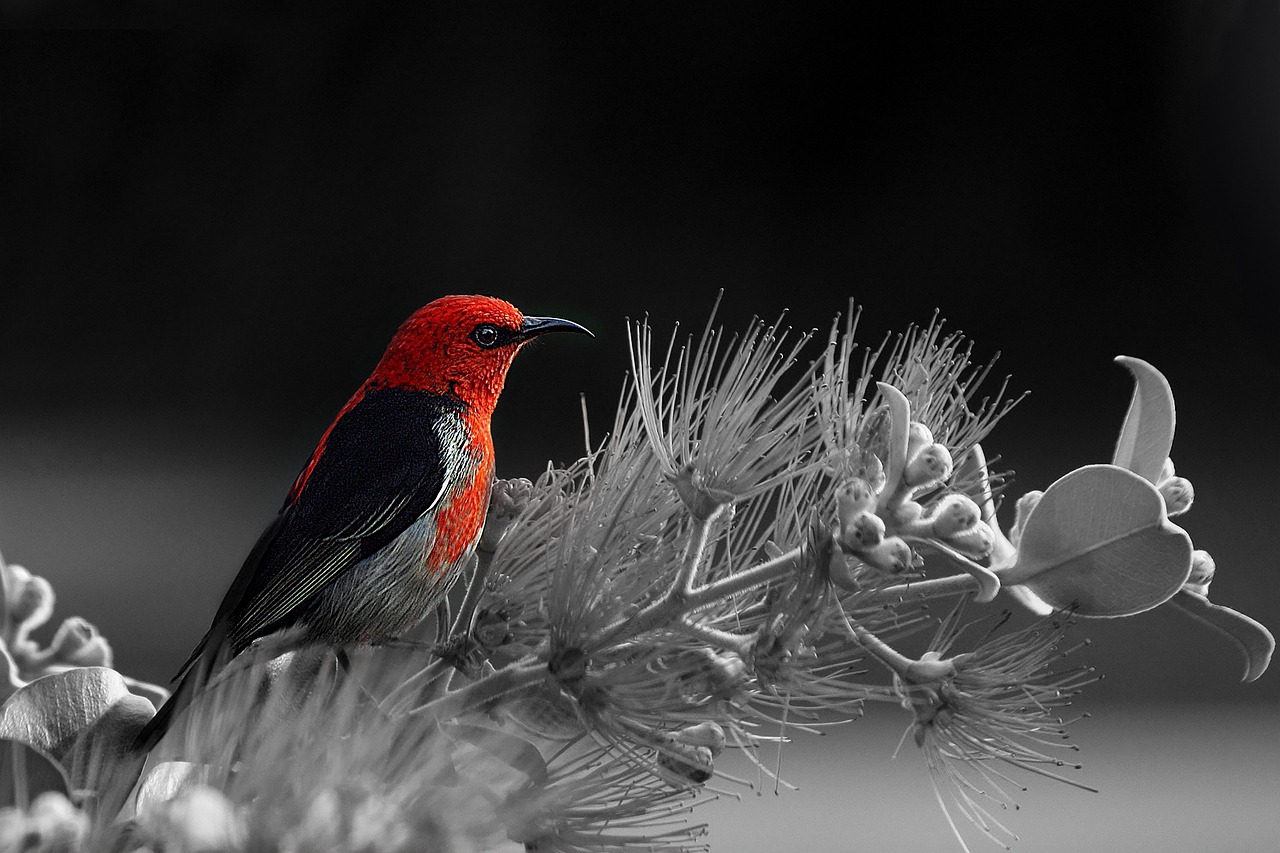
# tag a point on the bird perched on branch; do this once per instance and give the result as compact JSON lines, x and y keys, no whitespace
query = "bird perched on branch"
{"x":387,"y":511}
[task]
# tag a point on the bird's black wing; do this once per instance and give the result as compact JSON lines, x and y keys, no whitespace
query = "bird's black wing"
{"x":381,"y":467}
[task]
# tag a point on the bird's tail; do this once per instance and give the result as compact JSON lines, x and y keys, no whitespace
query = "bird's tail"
{"x":158,"y":726}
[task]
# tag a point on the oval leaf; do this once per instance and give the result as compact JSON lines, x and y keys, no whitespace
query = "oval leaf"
{"x":1099,"y":542}
{"x":1147,"y":435}
{"x":1252,"y":638}
{"x":27,"y":772}
{"x":52,"y":711}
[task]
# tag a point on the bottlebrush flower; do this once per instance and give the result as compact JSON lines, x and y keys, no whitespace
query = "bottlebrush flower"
{"x":716,"y":417}
{"x":980,"y":713}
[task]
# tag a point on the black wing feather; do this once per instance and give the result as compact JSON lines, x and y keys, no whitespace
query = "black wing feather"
{"x":381,"y":469}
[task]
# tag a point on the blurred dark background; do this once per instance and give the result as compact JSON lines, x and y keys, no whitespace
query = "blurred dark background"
{"x":209,"y":229}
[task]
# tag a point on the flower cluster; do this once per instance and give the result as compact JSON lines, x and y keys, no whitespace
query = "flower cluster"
{"x":741,"y":562}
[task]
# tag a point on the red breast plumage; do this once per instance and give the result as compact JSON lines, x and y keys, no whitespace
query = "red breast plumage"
{"x":387,"y":510}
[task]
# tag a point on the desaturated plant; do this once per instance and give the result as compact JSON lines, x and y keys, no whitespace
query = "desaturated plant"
{"x":774,"y":533}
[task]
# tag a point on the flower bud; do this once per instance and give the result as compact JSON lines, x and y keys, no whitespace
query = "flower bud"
{"x":700,"y":499}
{"x":918,"y":438}
{"x":930,"y":466}
{"x":891,"y":555}
{"x":78,"y":643}
{"x":492,"y":628}
{"x":872,"y":471}
{"x":687,"y":762}
{"x":1202,"y":569}
{"x":1021,"y":512}
{"x":707,"y":734}
{"x":507,"y":500}
{"x":975,"y":542}
{"x":1166,"y":470}
{"x":31,"y":601}
{"x":954,"y":514}
{"x":702,"y":673}
{"x":863,"y":531}
{"x":1178,"y":495}
{"x":854,"y":497}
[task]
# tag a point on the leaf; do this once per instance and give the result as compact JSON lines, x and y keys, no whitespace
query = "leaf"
{"x":27,"y":772}
{"x":1250,"y":636}
{"x":52,"y":711}
{"x":1147,"y":435}
{"x":1099,"y":542}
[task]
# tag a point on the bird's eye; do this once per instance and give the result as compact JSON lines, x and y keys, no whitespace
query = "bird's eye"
{"x":486,"y":335}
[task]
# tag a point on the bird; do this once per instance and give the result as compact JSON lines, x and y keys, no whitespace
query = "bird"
{"x":387,"y":510}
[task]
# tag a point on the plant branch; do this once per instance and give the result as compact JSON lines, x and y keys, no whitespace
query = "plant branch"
{"x":483,"y":691}
{"x":483,"y":560}
{"x":669,"y":608}
{"x":737,"y":643}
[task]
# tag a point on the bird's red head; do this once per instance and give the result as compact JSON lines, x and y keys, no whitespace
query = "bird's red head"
{"x":462,"y":346}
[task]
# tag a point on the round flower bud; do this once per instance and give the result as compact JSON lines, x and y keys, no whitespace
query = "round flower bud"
{"x":891,"y":555}
{"x":507,"y":500}
{"x":690,"y":763}
{"x":31,"y":603}
{"x":854,"y":497}
{"x":918,"y":438}
{"x":863,"y":531}
{"x":1178,"y":495}
{"x":975,"y":542}
{"x":930,"y":466}
{"x":706,"y":734}
{"x":1202,"y":569}
{"x":954,"y":514}
{"x":1021,"y":512}
{"x":78,"y":643}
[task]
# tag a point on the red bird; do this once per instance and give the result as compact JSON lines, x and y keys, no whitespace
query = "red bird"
{"x":387,"y":511}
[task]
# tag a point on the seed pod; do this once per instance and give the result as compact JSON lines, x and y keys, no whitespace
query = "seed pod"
{"x":954,"y":514}
{"x":930,"y":466}
{"x":1178,"y":495}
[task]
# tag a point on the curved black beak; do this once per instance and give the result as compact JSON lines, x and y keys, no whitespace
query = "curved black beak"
{"x":532,"y":327}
